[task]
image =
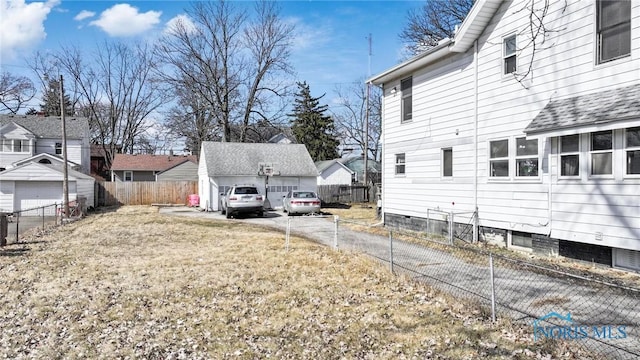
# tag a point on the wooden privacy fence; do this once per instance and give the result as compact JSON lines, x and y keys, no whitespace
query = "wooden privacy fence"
{"x":332,"y":194}
{"x":143,"y":192}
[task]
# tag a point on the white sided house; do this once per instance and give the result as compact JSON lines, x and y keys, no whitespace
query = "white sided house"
{"x":333,"y":172}
{"x":274,"y":169}
{"x":541,"y":142}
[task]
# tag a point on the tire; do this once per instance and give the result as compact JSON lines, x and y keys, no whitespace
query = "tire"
{"x":223,"y":211}
{"x":228,"y":213}
{"x":260,"y":213}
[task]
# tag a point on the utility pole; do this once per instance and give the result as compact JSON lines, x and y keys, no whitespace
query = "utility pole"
{"x":65,"y":181}
{"x":366,"y":125}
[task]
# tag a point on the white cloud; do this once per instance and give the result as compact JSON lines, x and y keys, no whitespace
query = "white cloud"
{"x":84,"y":14}
{"x":180,"y":20}
{"x":22,"y":25}
{"x":126,"y":20}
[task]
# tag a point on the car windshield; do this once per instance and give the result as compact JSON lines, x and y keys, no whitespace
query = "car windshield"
{"x":304,"y":195}
{"x":246,"y":191}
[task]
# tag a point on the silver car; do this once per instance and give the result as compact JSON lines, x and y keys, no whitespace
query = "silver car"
{"x":301,"y":202}
{"x":242,"y":199}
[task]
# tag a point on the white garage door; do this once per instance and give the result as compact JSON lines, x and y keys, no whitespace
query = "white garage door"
{"x":33,"y":194}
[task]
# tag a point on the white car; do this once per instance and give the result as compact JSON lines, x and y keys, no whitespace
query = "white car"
{"x":301,"y":202}
{"x":242,"y":199}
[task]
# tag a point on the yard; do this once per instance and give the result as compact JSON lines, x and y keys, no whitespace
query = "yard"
{"x":135,"y":283}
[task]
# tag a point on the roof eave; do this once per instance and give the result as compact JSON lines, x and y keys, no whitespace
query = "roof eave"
{"x":474,"y":24}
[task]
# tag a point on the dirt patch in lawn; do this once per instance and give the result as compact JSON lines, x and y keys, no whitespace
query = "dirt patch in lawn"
{"x":135,"y":283}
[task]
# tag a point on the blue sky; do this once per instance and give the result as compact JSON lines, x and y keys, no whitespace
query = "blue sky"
{"x":331,"y":45}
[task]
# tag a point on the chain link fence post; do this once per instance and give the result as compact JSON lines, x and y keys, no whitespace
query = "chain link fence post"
{"x":493,"y":290}
{"x":451,"y":227}
{"x":287,"y":234}
{"x":391,"y":250}
{"x":336,"y":220}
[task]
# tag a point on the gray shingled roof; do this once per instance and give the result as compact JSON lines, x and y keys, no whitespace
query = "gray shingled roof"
{"x":49,"y":126}
{"x":597,"y":108}
{"x":228,"y":159}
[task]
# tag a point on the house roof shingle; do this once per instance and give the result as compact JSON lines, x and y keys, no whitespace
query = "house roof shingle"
{"x":591,"y":109}
{"x":245,"y":158}
{"x":49,"y":126}
{"x":147,"y":162}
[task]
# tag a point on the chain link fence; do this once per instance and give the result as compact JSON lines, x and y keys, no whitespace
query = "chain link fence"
{"x":596,"y":315}
{"x":18,"y":225}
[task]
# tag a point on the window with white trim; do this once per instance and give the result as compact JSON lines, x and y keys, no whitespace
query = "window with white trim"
{"x":400,"y":164}
{"x":58,"y":148}
{"x":407,"y":98}
{"x":522,"y":239}
{"x":499,"y":158}
{"x":447,"y":162}
{"x":613,"y":29}
{"x":14,"y":145}
{"x":570,"y":155}
{"x":601,"y":152}
{"x":526,"y":157}
{"x":509,"y":54}
{"x":128,"y":175}
{"x":632,"y":150}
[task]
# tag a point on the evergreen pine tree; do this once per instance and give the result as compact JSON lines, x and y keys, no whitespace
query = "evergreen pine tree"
{"x":51,"y":98}
{"x":312,"y":127}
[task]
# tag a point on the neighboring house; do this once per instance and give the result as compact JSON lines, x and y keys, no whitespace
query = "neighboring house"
{"x":280,"y":138}
{"x":35,"y":184}
{"x":31,"y":162}
{"x":333,"y":172}
{"x":224,"y":164}
{"x":545,"y":146}
{"x":356,"y":165}
{"x":186,"y":170}
{"x":25,"y":136}
{"x":145,"y":167}
{"x":99,"y":168}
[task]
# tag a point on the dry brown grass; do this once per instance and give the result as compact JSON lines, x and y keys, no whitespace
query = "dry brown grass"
{"x":134,"y":283}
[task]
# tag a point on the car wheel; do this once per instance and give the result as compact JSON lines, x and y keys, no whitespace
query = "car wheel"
{"x":223,"y":211}
{"x":260,"y":213}
{"x":228,"y":214}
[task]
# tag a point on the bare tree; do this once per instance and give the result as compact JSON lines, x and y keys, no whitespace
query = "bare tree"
{"x":230,"y":61}
{"x":434,"y":21}
{"x":192,"y":119}
{"x":351,"y":115}
{"x":113,"y":87}
{"x":15,"y":92}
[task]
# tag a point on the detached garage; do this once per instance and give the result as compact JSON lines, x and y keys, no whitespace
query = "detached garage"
{"x":35,"y":185}
{"x":274,"y":169}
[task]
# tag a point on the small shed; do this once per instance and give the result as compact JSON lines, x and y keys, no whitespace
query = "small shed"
{"x":274,"y":168}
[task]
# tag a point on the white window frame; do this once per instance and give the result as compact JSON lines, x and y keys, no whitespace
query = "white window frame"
{"x":124,"y":175}
{"x":609,"y":151}
{"x":499,"y":159}
{"x":509,"y":54}
{"x":510,"y":244}
{"x":406,"y":93}
{"x":624,"y":25}
{"x":562,"y":152}
{"x":400,"y":162}
{"x":525,"y":157}
{"x":58,"y":148}
{"x":630,"y":149}
{"x":444,"y":163}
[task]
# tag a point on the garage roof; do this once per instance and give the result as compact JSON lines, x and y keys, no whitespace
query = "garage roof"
{"x":232,"y":159}
{"x":49,"y":126}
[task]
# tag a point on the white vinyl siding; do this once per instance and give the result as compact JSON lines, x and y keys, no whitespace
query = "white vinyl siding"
{"x":444,"y":100}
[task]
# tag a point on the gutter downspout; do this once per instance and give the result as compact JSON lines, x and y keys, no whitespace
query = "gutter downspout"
{"x":475,"y":142}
